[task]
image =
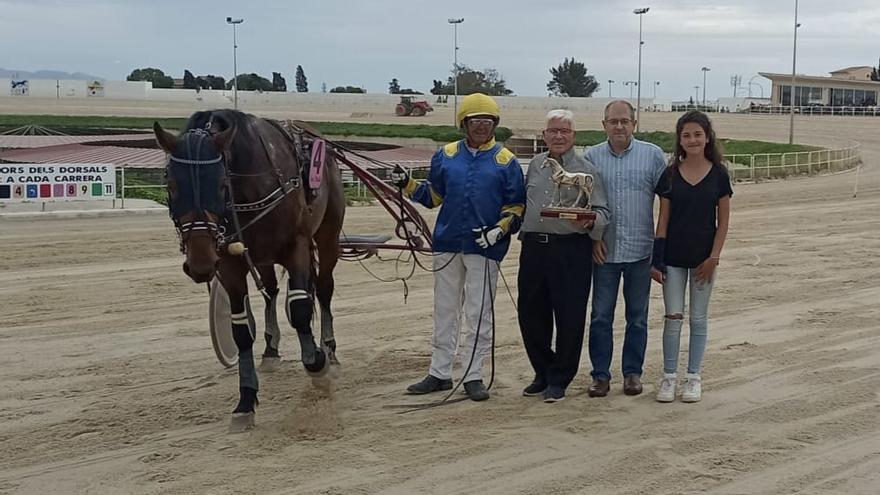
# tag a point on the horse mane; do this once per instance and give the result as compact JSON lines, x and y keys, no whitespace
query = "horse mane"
{"x":246,"y":142}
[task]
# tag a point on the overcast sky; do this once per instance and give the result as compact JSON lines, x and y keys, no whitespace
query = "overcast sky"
{"x":366,"y":43}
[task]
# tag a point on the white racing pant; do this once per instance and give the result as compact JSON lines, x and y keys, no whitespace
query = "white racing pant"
{"x":460,"y":286}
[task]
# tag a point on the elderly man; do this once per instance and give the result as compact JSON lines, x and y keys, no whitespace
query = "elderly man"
{"x":555,"y":264}
{"x":630,"y":170}
{"x":478,"y":185}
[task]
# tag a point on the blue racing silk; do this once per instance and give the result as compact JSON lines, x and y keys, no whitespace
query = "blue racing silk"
{"x":473,"y":190}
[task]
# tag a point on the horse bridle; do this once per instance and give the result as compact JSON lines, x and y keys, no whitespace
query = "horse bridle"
{"x":217,"y":205}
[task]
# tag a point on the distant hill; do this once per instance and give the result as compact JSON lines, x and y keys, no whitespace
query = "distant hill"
{"x":47,"y":74}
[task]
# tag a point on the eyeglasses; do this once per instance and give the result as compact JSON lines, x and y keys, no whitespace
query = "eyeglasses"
{"x":560,"y":132}
{"x":480,"y":122}
{"x":616,"y":122}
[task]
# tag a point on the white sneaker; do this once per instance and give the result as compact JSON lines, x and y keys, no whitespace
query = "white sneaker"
{"x":666,"y":393}
{"x":692,"y":388}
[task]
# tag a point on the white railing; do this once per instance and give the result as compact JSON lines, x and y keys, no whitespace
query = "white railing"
{"x":774,"y":165}
{"x":740,"y":167}
{"x":873,"y":111}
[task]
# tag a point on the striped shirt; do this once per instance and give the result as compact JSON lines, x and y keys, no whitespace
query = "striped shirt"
{"x":629,"y":178}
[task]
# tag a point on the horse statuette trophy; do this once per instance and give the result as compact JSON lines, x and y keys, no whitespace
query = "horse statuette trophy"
{"x":573,"y":194}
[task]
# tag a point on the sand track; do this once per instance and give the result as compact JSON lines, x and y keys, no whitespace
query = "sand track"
{"x":110,"y":384}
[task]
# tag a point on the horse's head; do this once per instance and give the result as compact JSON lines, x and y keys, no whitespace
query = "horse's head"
{"x":198,"y":194}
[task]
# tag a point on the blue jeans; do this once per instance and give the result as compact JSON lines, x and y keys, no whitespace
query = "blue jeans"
{"x":636,"y":289}
{"x":673,"y":296}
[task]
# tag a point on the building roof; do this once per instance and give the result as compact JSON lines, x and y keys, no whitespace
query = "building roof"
{"x":853,"y":68}
{"x":821,"y":79}
{"x":82,"y":153}
{"x":141,"y":157}
{"x":17,"y":141}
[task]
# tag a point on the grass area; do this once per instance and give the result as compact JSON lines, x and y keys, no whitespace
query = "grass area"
{"x":143,"y":176}
{"x":438,"y":133}
{"x":79,"y":125}
{"x":666,"y":141}
{"x":97,"y":125}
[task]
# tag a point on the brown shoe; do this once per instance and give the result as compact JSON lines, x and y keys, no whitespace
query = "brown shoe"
{"x":632,"y":385}
{"x":599,"y":387}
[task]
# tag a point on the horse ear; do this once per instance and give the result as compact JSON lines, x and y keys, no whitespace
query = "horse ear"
{"x":166,"y":140}
{"x":224,"y":139}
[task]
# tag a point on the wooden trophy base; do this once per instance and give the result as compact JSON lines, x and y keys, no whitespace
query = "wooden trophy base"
{"x":568,"y":213}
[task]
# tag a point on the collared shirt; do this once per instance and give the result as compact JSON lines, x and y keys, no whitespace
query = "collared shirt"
{"x":629,"y":178}
{"x":473,"y":190}
{"x":541,"y":191}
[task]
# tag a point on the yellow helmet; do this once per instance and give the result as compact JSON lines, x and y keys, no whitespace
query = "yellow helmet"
{"x":477,"y":104}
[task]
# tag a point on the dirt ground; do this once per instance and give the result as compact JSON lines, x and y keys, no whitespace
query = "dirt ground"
{"x":109,"y":383}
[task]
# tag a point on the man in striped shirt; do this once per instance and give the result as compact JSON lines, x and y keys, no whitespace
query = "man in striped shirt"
{"x":630,"y":170}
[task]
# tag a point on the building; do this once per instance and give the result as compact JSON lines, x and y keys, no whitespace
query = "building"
{"x":849,"y":87}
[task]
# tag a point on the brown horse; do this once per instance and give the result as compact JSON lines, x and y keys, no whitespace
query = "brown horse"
{"x":235,"y":179}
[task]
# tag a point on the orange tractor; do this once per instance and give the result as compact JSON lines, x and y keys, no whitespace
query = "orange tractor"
{"x":409,"y":107}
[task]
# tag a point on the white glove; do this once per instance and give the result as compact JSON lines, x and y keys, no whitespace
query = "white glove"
{"x":488,"y":236}
{"x":399,"y":177}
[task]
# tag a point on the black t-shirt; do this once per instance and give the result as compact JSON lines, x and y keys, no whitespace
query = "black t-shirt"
{"x":692,"y":216}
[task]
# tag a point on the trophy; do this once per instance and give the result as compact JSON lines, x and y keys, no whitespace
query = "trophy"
{"x":572,"y":195}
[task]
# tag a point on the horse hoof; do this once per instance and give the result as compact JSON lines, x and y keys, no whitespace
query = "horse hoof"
{"x":333,"y":360}
{"x":241,"y":422}
{"x":270,"y":364}
{"x":319,"y":367}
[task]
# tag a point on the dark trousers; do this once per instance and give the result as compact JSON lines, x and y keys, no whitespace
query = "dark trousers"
{"x":554,"y":284}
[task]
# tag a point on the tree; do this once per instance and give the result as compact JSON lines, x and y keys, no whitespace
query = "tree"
{"x":211,"y":82}
{"x":155,"y":76}
{"x":875,"y":74}
{"x":323,"y":87}
{"x":302,"y":85}
{"x":251,"y":82}
{"x":488,"y":81}
{"x":570,"y":79}
{"x":189,"y":82}
{"x":278,"y":82}
{"x":394,"y":87}
{"x":347,"y":89}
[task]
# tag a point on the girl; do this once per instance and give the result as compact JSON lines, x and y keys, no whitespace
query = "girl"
{"x":694,"y":211}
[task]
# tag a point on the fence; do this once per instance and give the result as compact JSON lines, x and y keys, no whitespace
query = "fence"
{"x":151,"y":178}
{"x":872,"y":111}
{"x":775,"y":165}
{"x":741,"y":167}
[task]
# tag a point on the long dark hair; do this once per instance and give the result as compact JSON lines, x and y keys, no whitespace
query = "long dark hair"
{"x":713,"y":151}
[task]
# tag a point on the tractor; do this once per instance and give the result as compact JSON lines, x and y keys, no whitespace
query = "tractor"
{"x":409,"y":107}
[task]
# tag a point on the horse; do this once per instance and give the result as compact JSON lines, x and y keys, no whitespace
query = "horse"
{"x":237,"y":191}
{"x":580,"y":180}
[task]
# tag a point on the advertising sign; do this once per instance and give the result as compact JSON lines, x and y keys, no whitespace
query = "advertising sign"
{"x":57,"y":181}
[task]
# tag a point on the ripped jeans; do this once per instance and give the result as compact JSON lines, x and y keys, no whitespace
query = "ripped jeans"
{"x":673,"y":297}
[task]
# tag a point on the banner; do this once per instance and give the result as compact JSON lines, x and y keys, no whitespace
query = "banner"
{"x":57,"y":181}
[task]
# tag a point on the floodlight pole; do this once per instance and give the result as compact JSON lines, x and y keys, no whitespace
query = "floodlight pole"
{"x":455,"y":23}
{"x":230,"y":20}
{"x":705,"y":70}
{"x":639,"y":12}
{"x":610,"y":83}
{"x":793,"y":66}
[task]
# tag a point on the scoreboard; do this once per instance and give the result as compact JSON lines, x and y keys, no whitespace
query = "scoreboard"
{"x":57,"y":181}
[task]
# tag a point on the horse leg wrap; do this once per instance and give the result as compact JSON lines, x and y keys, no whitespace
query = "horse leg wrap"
{"x":273,"y":333}
{"x":243,"y":332}
{"x":299,"y":310}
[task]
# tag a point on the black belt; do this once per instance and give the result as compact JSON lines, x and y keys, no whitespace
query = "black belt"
{"x":542,"y":238}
